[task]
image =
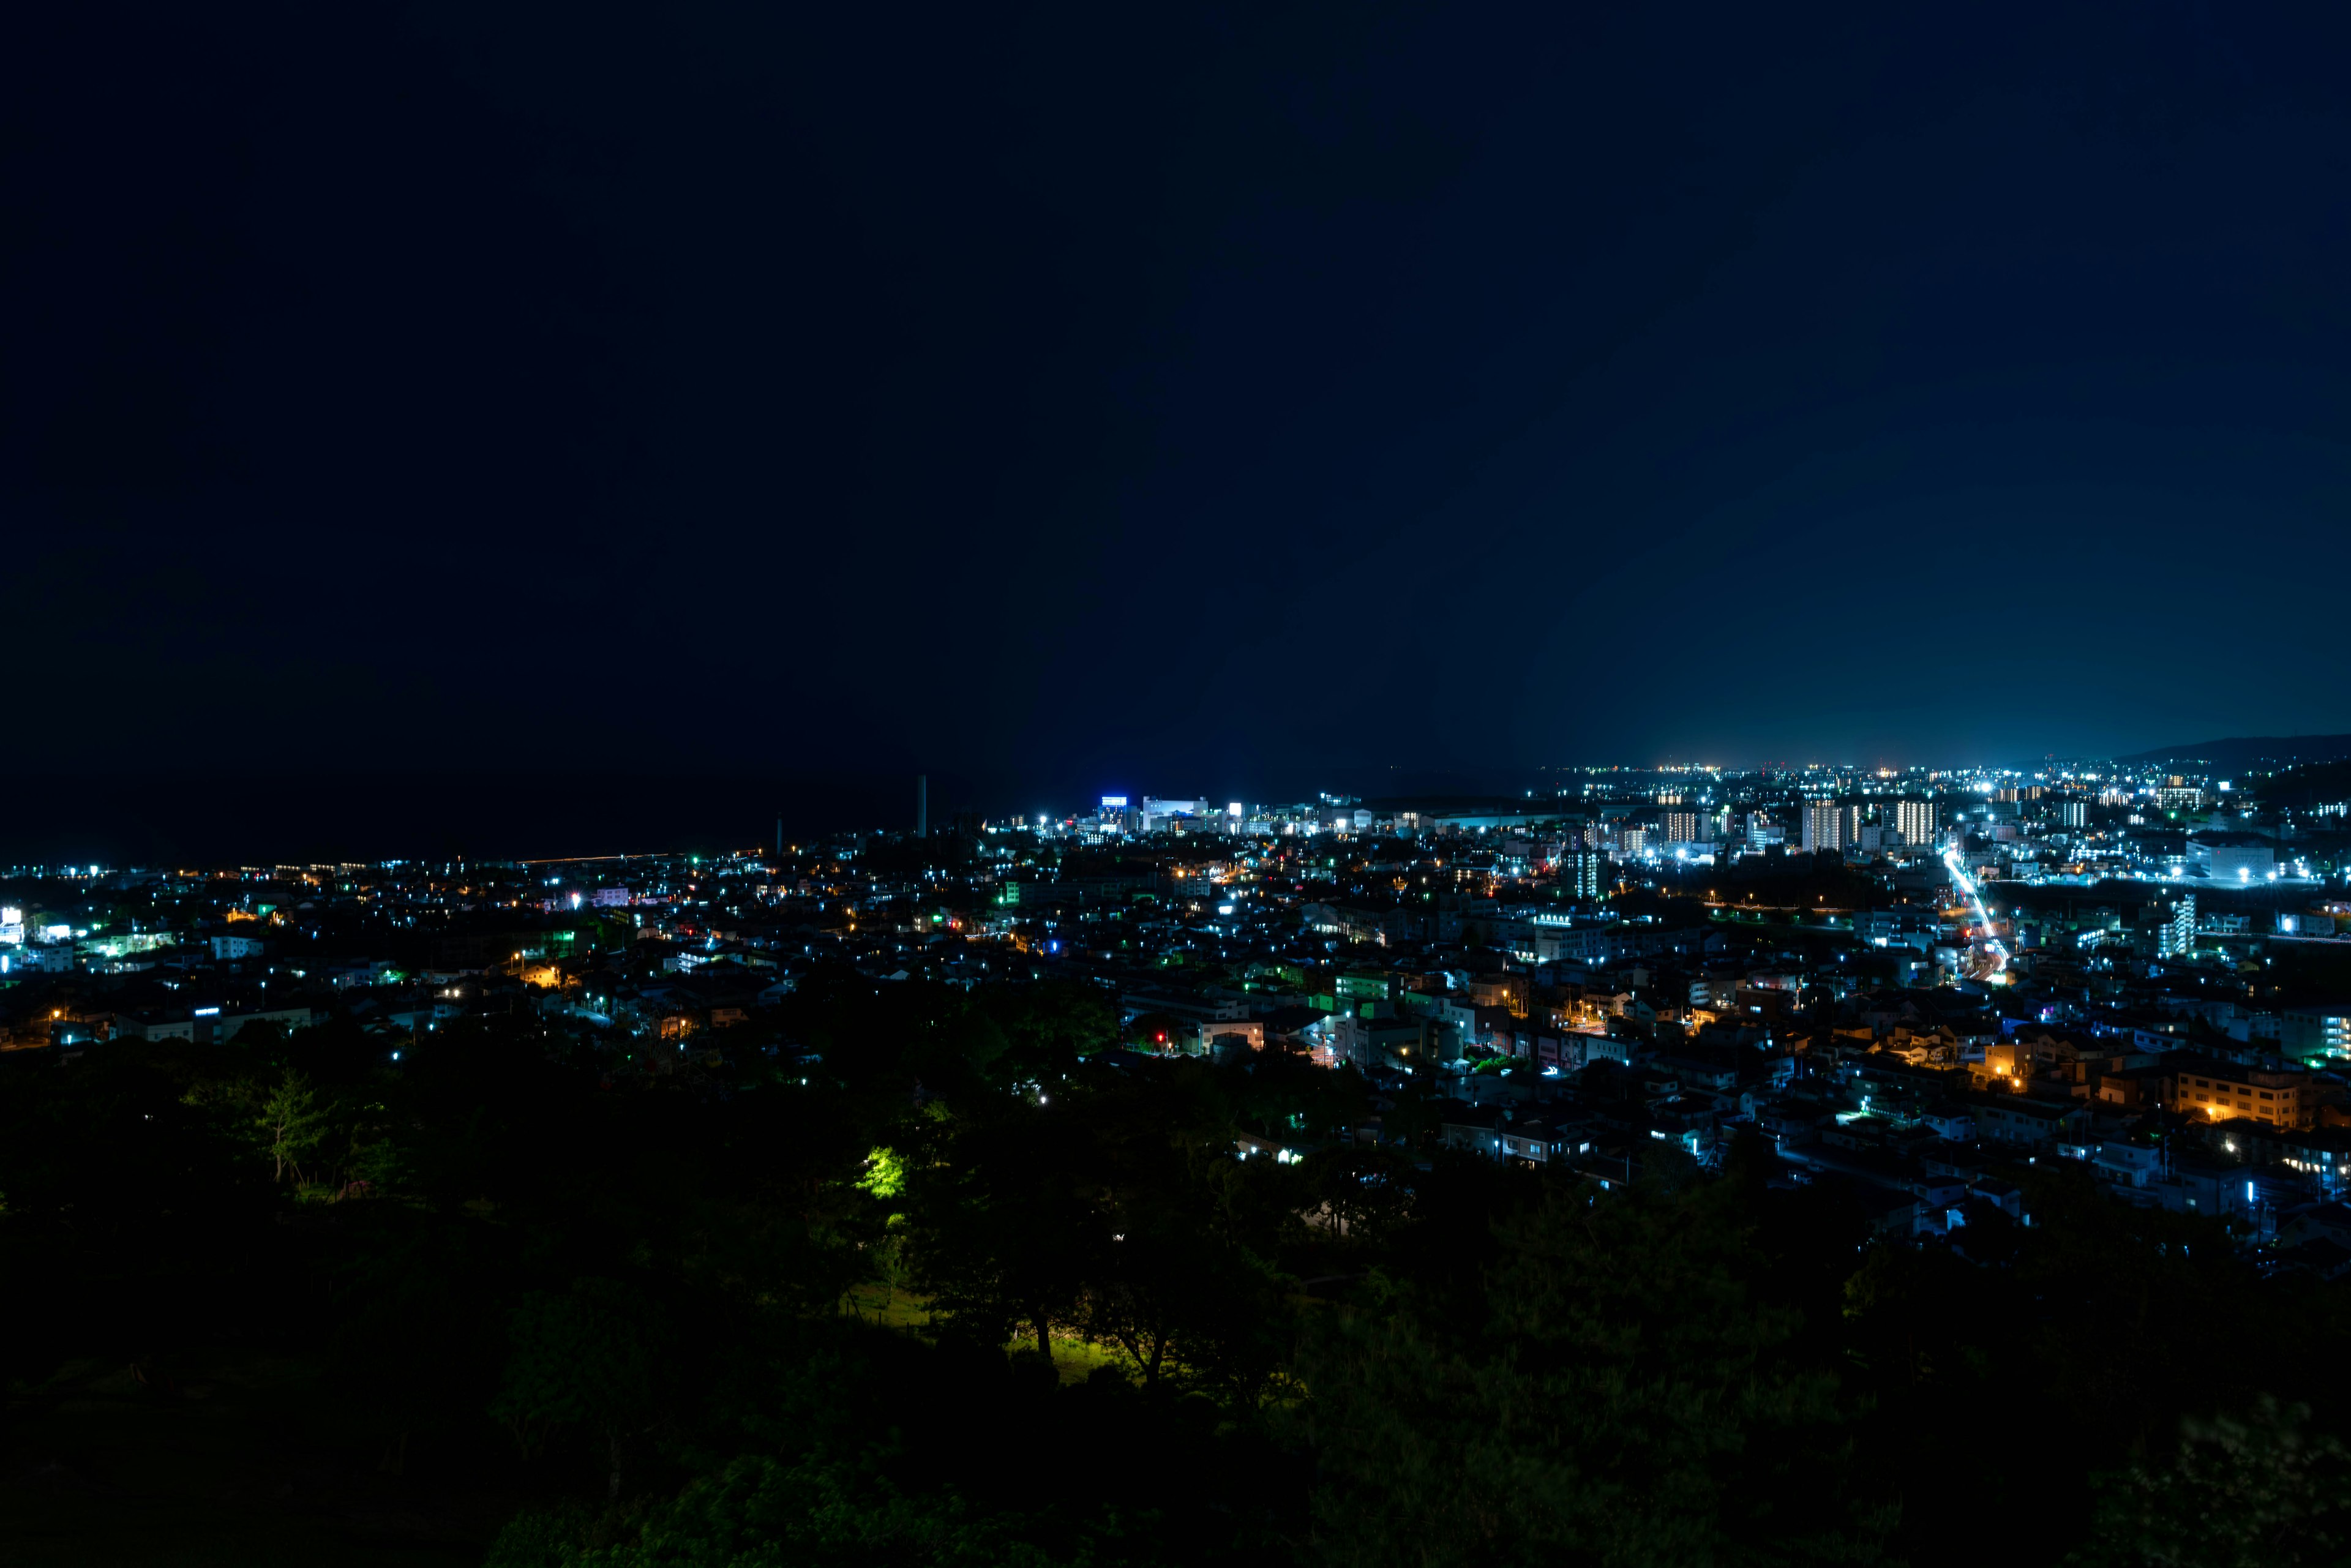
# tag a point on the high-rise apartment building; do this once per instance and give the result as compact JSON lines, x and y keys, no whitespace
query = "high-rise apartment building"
{"x":1685,"y":828}
{"x":1824,"y":822}
{"x":1915,"y":820}
{"x":1579,"y":873}
{"x":2175,"y":935}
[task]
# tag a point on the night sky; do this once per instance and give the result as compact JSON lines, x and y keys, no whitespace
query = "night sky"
{"x":1166,"y":398}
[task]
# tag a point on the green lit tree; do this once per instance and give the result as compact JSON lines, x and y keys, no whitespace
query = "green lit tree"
{"x":294,"y":1121}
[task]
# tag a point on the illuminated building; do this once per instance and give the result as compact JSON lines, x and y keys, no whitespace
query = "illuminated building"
{"x":2233,"y":857}
{"x":2006,"y":1066}
{"x":2318,"y":1032}
{"x":1158,"y":813}
{"x":2219,"y":1089}
{"x":1915,"y":820}
{"x":2175,"y":932}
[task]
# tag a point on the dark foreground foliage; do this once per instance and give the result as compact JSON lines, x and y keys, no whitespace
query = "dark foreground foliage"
{"x":931,"y":1276}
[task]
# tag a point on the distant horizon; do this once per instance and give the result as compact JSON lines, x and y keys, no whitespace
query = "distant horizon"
{"x":220,"y":818}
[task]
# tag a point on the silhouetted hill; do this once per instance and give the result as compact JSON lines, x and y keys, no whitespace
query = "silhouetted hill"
{"x":2314,"y":784}
{"x":2252,"y":750}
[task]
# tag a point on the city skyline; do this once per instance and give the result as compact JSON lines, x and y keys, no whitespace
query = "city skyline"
{"x":392,"y":819}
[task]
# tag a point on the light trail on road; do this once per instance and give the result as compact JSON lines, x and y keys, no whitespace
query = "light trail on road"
{"x":1984,"y":916}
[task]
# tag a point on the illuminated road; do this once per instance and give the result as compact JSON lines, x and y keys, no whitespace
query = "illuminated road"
{"x":1984,"y":916}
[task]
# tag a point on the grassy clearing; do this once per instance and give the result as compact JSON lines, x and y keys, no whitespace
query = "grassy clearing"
{"x":894,"y":1307}
{"x":889,"y":1305}
{"x":1076,"y":1359}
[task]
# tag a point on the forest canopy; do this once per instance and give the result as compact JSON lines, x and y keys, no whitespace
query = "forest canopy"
{"x":923,"y":1274}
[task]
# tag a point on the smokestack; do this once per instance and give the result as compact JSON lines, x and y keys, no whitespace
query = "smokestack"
{"x":922,"y":805}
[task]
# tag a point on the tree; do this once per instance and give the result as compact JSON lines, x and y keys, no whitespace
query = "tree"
{"x":1627,"y":1399}
{"x":1175,"y":1270}
{"x":584,"y":1358}
{"x":1184,"y":1306}
{"x":2250,"y":1493}
{"x":1359,"y":1191}
{"x":1053,"y":1025}
{"x":997,"y":1217}
{"x":758,"y":1512}
{"x":1415,"y":1114}
{"x":415,"y":1353}
{"x":294,"y":1121}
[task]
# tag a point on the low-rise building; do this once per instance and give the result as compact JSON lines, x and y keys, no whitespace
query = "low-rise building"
{"x":2033,"y":1124}
{"x":2216,"y":1090}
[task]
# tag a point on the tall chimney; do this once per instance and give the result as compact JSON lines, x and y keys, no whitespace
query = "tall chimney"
{"x":922,"y":805}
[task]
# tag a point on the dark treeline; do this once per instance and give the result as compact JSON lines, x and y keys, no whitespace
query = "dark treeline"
{"x":912,"y":1275}
{"x":220,"y":817}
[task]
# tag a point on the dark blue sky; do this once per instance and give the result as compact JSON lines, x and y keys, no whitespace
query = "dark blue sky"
{"x":1169,"y":397}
